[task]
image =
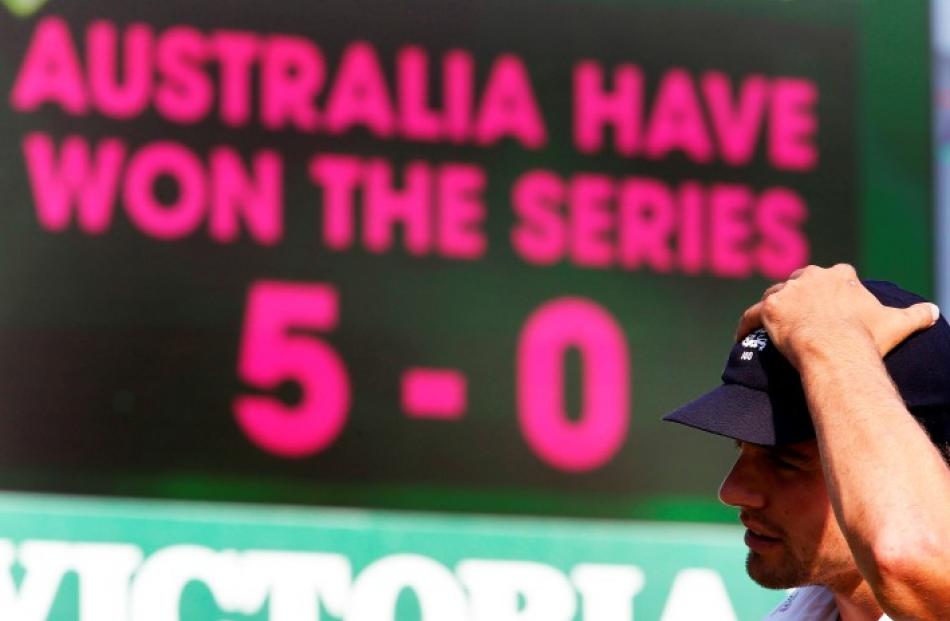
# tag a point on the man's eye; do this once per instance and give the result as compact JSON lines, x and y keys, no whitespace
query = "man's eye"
{"x":784,"y":463}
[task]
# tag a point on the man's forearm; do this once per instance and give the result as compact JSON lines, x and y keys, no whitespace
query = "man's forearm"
{"x":888,"y":484}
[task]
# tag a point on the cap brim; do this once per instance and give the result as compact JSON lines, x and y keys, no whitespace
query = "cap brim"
{"x":745,"y":414}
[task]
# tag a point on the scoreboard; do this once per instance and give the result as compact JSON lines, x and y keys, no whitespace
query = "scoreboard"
{"x":453,"y":255}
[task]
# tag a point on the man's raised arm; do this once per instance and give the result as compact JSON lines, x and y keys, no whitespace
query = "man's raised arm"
{"x":888,"y":484}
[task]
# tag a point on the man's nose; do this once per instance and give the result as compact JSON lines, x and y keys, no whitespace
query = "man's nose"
{"x":742,"y":487}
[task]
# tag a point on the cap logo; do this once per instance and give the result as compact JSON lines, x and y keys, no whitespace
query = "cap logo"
{"x":755,"y":340}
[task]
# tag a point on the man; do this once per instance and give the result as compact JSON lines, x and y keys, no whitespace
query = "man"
{"x":840,"y":479}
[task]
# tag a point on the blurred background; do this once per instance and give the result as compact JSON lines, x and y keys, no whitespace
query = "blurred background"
{"x":370,"y":310}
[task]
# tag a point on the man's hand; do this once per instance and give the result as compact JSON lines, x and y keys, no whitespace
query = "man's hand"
{"x":816,"y":308}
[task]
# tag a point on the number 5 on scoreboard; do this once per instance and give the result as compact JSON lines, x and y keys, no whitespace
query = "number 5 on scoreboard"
{"x":278,"y":345}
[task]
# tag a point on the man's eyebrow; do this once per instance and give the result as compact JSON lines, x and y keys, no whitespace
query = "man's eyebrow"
{"x":797,"y":454}
{"x":784,"y":451}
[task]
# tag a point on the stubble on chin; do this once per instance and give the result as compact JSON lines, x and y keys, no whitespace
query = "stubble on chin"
{"x":781,"y":574}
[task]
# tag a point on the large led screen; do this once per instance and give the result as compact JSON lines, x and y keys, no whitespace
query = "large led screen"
{"x":456,"y":255}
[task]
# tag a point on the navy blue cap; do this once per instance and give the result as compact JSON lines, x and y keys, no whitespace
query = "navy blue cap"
{"x":761,"y":399}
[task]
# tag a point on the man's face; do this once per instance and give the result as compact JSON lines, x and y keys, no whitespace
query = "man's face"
{"x":792,"y":535}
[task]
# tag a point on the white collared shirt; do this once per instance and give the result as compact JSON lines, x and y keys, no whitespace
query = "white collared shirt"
{"x":810,"y":603}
